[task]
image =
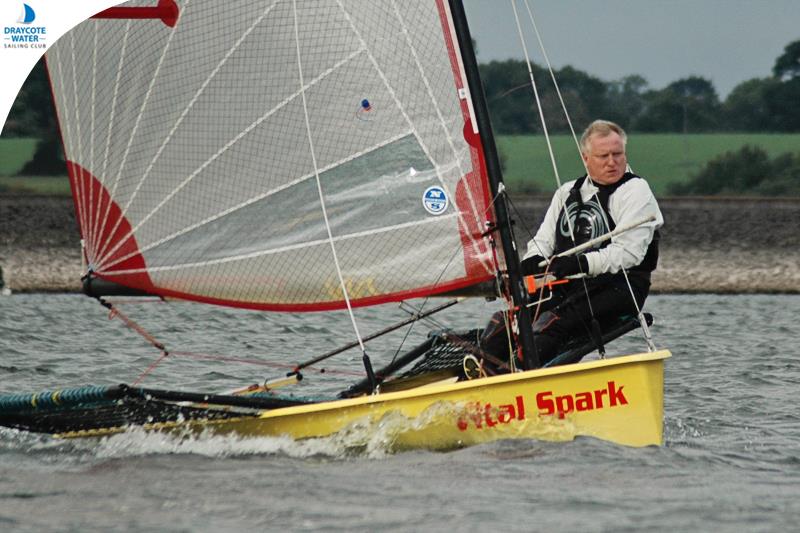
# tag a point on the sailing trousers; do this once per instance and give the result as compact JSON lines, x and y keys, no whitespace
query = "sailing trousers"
{"x":568,"y":314}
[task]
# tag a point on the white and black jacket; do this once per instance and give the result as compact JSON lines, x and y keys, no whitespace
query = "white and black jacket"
{"x":595,"y":210}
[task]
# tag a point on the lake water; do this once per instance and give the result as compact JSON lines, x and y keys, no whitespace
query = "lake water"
{"x":731,"y":459}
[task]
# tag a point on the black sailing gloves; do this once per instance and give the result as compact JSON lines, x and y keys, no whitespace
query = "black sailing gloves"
{"x":560,"y":267}
{"x":530,"y":266}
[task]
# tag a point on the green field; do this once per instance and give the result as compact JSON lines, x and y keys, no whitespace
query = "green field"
{"x":660,"y":157}
{"x":14,"y":153}
{"x":53,"y":185}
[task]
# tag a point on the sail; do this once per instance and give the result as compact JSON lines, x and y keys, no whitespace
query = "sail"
{"x":270,"y":153}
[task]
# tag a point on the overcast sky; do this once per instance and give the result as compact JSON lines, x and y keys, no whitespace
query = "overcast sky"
{"x":726,"y":41}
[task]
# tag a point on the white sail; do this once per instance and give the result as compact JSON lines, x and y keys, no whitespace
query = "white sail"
{"x":227,"y":159}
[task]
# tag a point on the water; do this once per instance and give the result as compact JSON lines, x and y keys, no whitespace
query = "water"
{"x":731,"y":460}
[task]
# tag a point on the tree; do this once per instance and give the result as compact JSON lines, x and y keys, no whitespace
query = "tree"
{"x":785,"y":177}
{"x":513,"y":107}
{"x":32,"y":111}
{"x":687,"y":105}
{"x":508,"y":95}
{"x":746,"y":171}
{"x":782,"y":102}
{"x":747,"y":108}
{"x":33,"y":115}
{"x":625,"y":99}
{"x":585,"y":97}
{"x":787,"y":65}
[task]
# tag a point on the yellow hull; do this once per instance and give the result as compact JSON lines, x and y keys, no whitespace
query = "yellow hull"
{"x":618,"y":400}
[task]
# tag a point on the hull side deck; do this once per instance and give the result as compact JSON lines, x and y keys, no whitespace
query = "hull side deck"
{"x":617,"y":399}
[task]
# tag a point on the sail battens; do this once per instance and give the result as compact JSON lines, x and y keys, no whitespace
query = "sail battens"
{"x":262,"y":253}
{"x":96,"y":248}
{"x":103,"y":266}
{"x":394,"y":96}
{"x":66,"y":119}
{"x":312,"y":150}
{"x":194,"y":99}
{"x":221,"y":151}
{"x":202,"y":88}
{"x":445,"y":132}
{"x":82,"y":192}
{"x":139,"y":115}
{"x":402,"y":109}
{"x":91,"y":222}
{"x":275,"y":153}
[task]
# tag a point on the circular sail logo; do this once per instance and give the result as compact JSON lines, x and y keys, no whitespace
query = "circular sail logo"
{"x":28,"y":15}
{"x":435,"y":200}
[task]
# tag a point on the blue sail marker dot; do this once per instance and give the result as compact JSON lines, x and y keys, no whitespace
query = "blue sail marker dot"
{"x":364,"y":108}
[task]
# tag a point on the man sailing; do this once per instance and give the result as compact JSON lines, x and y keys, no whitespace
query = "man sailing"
{"x":610,"y":195}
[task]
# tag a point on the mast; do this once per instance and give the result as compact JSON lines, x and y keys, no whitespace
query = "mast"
{"x":515,"y":279}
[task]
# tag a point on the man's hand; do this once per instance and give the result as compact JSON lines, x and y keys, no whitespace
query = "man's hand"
{"x":530,"y":266}
{"x":561,"y":267}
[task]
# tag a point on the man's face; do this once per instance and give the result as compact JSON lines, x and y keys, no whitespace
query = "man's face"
{"x":605,"y":158}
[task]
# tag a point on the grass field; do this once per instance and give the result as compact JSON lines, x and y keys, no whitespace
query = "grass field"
{"x":54,"y":185}
{"x":14,"y":153}
{"x":661,"y":158}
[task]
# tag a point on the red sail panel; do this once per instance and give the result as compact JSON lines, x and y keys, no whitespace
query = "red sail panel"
{"x":93,"y":204}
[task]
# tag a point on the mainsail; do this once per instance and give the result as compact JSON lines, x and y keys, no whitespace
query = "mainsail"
{"x":242,"y":166}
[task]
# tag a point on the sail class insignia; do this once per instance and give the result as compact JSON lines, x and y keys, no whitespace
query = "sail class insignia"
{"x":435,"y":200}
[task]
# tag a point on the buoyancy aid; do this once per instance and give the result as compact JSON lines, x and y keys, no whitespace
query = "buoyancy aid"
{"x":591,"y":219}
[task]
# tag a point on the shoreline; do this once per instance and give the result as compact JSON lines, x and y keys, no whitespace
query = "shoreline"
{"x":708,"y":245}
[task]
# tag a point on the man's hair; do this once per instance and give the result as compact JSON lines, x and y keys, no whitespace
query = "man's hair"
{"x":602,"y":128}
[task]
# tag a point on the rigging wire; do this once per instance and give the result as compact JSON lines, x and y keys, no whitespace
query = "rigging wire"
{"x":433,"y":321}
{"x":547,"y":137}
{"x":508,"y":316}
{"x":458,"y":248}
{"x":537,"y":98}
{"x":319,"y":185}
{"x":642,"y":321}
{"x":552,"y":76}
{"x":438,"y":325}
{"x":115,"y":312}
{"x":249,"y":361}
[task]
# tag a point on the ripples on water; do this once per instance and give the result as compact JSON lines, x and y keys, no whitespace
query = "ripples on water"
{"x":731,"y":460}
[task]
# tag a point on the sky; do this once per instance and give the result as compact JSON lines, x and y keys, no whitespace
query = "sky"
{"x":725,"y":41}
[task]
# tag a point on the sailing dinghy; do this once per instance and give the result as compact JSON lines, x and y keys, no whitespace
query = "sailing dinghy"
{"x":293,"y":156}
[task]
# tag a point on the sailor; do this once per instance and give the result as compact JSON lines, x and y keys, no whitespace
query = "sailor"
{"x":608,"y":196}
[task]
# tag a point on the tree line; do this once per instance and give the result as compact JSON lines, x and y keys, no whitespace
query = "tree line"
{"x":688,"y":105}
{"x":747,"y":171}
